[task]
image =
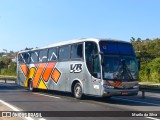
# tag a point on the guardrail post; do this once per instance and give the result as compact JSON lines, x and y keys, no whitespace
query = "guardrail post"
{"x":143,"y":94}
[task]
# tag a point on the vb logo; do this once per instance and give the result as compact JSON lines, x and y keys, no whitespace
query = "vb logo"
{"x":75,"y":68}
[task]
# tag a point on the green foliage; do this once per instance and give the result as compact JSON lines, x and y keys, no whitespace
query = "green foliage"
{"x":7,"y":72}
{"x":7,"y":67}
{"x":149,"y":53}
{"x":5,"y":61}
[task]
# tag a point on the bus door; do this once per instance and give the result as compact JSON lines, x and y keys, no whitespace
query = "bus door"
{"x":96,"y":75}
{"x":93,"y":65}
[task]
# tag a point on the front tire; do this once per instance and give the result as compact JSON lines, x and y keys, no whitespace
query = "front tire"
{"x":78,"y":91}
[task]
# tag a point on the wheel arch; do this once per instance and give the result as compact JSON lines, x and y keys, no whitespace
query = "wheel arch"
{"x":73,"y":84}
{"x":29,"y":80}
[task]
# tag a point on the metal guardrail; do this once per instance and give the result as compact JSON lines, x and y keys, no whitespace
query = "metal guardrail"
{"x":148,"y":89}
{"x":8,"y":79}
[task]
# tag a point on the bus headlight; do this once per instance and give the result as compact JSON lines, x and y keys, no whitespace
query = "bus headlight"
{"x":108,"y":87}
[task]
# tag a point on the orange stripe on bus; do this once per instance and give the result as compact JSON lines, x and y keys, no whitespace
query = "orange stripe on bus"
{"x":48,"y":71}
{"x":117,"y":83}
{"x":108,"y":83}
{"x":56,"y":75}
{"x":38,"y":74}
{"x":120,"y":83}
{"x":24,"y":69}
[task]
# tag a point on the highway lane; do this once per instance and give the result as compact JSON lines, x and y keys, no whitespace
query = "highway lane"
{"x":42,"y":101}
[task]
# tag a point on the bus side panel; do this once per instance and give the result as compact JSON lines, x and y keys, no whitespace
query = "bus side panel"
{"x":75,"y":73}
{"x":57,"y":77}
{"x":22,"y":70}
{"x":92,"y":85}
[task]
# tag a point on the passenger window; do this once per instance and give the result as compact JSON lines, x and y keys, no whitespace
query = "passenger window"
{"x":43,"y":55}
{"x":64,"y":53}
{"x":26,"y":57}
{"x":52,"y":54}
{"x":77,"y":51}
{"x":20,"y":58}
{"x":34,"y":57}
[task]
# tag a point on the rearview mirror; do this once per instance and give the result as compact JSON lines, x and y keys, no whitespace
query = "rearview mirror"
{"x":102,"y":57}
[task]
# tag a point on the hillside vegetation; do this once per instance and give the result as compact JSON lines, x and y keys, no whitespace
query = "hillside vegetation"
{"x":7,"y":67}
{"x":148,"y":52}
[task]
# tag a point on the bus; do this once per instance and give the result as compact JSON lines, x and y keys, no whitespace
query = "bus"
{"x":88,"y":66}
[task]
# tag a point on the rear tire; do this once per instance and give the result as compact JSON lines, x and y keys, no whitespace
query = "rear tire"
{"x":78,"y":91}
{"x":30,"y":86}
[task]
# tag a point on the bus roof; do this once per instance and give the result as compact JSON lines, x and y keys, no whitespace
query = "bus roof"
{"x":75,"y":41}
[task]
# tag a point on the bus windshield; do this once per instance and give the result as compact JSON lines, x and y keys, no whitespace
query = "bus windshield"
{"x":120,"y":68}
{"x":119,"y":61}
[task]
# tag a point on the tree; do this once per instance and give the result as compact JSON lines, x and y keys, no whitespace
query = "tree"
{"x":150,"y":59}
{"x":6,"y":61}
{"x":132,"y":39}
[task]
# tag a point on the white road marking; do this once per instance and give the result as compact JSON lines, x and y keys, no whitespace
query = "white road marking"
{"x":46,"y":95}
{"x":152,"y":118}
{"x":151,"y":95}
{"x":137,"y":101}
{"x":16,"y":109}
{"x":41,"y":119}
{"x":10,"y":106}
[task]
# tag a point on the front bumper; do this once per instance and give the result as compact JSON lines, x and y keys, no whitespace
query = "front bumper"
{"x":120,"y":92}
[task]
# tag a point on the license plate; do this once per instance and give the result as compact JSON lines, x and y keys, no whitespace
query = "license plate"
{"x":124,"y":93}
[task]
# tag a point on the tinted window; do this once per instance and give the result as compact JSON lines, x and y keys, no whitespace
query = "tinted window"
{"x":34,"y":57}
{"x":90,"y":49}
{"x":64,"y":53}
{"x":24,"y":58}
{"x":76,"y":51}
{"x":20,"y":58}
{"x":43,"y":55}
{"x":92,"y":59}
{"x":52,"y":54}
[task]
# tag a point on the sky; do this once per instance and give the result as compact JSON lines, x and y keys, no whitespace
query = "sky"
{"x":37,"y":23}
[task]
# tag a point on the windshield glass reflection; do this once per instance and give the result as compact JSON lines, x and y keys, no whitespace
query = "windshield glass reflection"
{"x":120,"y":68}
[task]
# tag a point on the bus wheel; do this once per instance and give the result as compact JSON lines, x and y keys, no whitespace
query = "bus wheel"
{"x":78,"y":91}
{"x":30,"y":86}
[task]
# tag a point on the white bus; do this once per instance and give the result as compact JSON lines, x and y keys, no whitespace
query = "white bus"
{"x":97,"y":67}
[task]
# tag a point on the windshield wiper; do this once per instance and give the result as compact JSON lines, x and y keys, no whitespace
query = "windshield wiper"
{"x":129,"y":72}
{"x":124,"y":69}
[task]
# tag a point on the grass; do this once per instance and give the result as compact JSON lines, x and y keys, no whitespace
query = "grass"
{"x":149,"y":84}
{"x":6,"y":76}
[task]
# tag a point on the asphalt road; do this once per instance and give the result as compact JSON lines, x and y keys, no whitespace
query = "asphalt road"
{"x":63,"y":104}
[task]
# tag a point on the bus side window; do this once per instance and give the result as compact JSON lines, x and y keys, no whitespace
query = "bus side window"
{"x":43,"y":55}
{"x":92,"y":59}
{"x":52,"y":54}
{"x":23,"y":58}
{"x":34,"y":57}
{"x":64,"y":53}
{"x":20,"y":58}
{"x":26,"y":57}
{"x":77,"y":51}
